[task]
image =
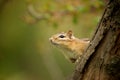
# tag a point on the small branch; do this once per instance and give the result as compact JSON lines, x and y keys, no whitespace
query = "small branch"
{"x":34,"y":13}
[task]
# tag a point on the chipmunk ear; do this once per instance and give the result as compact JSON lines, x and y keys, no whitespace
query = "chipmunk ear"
{"x":69,"y":34}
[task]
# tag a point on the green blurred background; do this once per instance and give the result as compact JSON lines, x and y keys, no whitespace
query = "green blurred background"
{"x":25,"y":28}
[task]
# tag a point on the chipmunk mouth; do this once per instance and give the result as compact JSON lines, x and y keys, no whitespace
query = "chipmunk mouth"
{"x":53,"y":42}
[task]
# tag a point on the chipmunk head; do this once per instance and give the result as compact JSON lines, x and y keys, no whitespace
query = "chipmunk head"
{"x":62,"y":39}
{"x":72,"y":47}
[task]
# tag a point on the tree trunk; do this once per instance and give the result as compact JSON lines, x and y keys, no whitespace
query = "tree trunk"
{"x":101,"y":60}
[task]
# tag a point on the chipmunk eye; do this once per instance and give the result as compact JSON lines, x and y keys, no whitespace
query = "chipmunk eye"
{"x":61,"y":36}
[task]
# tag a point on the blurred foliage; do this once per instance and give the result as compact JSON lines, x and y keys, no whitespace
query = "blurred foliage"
{"x":54,"y":11}
{"x":26,"y":25}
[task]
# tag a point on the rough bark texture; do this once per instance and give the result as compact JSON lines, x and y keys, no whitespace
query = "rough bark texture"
{"x":101,"y":60}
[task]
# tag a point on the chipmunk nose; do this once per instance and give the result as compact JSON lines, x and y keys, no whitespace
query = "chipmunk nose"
{"x":50,"y":39}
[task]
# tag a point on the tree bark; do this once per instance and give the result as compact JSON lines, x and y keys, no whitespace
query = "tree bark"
{"x":101,"y":60}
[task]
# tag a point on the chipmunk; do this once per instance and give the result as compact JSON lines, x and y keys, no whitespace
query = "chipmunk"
{"x":73,"y":47}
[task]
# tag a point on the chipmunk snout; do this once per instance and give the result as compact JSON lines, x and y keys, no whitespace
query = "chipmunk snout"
{"x":50,"y":39}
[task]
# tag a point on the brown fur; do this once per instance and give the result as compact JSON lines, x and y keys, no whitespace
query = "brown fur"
{"x":72,"y":46}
